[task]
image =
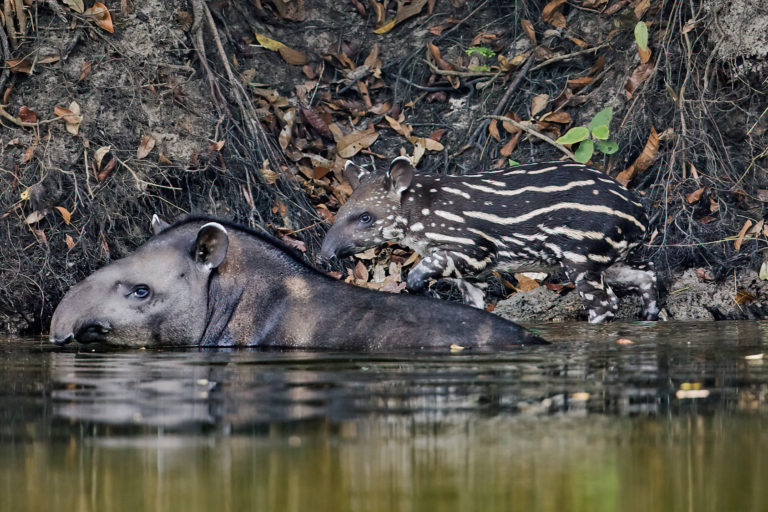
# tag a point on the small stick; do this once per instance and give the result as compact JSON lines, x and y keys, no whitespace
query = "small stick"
{"x":567,"y":152}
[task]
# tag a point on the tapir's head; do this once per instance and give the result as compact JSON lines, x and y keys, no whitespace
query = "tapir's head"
{"x":158,"y":295}
{"x":371,"y":215}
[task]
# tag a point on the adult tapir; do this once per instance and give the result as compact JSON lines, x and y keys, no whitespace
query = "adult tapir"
{"x":207,"y":282}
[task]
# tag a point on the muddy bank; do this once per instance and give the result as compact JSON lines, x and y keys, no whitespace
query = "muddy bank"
{"x":693,"y":295}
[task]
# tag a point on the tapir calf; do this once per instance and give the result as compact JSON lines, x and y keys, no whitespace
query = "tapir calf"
{"x":532,"y":217}
{"x":206,"y":282}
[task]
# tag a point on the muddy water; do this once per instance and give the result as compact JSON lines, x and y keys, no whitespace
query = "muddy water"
{"x":677,"y":420}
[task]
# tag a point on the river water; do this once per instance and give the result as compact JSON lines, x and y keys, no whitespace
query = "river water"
{"x":676,"y":420}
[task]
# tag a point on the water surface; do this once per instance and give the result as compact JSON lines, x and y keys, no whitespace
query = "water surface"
{"x":674,"y":421}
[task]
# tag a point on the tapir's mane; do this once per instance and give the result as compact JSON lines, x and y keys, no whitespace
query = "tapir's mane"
{"x":270,"y":240}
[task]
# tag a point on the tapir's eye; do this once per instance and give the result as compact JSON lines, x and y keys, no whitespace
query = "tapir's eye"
{"x":365,"y":218}
{"x":140,"y":291}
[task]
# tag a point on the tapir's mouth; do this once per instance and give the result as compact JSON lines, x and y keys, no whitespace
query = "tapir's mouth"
{"x":95,"y":331}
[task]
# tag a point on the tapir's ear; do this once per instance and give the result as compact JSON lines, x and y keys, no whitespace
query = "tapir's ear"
{"x":354,"y":174}
{"x":400,"y":174}
{"x":211,"y":245}
{"x":158,"y":224}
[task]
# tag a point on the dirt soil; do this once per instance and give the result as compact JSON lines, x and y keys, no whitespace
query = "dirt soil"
{"x":249,"y":109}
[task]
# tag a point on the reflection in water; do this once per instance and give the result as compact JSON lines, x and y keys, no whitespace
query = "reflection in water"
{"x":584,"y":425}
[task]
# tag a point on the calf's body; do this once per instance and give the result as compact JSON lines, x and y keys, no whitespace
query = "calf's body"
{"x":201,"y":282}
{"x":533,"y":217}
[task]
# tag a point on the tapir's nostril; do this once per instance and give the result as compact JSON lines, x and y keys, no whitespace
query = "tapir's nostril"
{"x":95,"y":331}
{"x":69,"y":338}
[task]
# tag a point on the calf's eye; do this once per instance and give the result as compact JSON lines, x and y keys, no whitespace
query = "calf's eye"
{"x":140,"y":291}
{"x":365,"y":218}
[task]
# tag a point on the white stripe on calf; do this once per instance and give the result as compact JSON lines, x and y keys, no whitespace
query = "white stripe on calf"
{"x":456,"y":191}
{"x":523,"y":190}
{"x":445,"y":238}
{"x":559,"y":206}
{"x":450,"y":216}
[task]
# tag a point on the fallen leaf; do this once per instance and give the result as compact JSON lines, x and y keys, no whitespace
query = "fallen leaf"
{"x":743,"y":297}
{"x":456,"y":348}
{"x":528,"y":29}
{"x":404,"y":11}
{"x":145,"y":146}
{"x":638,"y":76}
{"x":552,"y":15}
{"x":539,"y":103}
{"x":68,"y":240}
{"x":525,"y":283}
{"x":695,"y":195}
{"x":349,"y":145}
{"x":643,"y":161}
{"x":742,"y":233}
{"x":22,"y":65}
{"x":75,"y":5}
{"x":27,"y":115}
{"x":71,"y":116}
{"x":360,"y":271}
{"x":511,"y":144}
{"x":288,"y":54}
{"x":493,"y":129}
{"x":624,"y":341}
{"x":640,"y":7}
{"x":35,"y":217}
{"x":100,"y":15}
{"x":644,"y":53}
{"x":64,"y":214}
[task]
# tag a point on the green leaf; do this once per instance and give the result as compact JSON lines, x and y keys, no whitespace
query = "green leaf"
{"x":607,"y":147}
{"x":600,"y":132}
{"x":482,"y":50}
{"x":574,"y":135}
{"x":641,"y":35}
{"x":584,"y":152}
{"x":512,"y":163}
{"x":602,"y":117}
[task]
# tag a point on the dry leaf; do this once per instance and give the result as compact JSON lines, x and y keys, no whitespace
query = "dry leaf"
{"x":288,"y":54}
{"x":27,"y":115}
{"x":75,"y":5}
{"x":742,"y":233}
{"x":510,"y":146}
{"x":644,"y":53}
{"x":20,"y":65}
{"x":639,"y":75}
{"x":743,"y":296}
{"x":349,"y":145}
{"x":552,"y":15}
{"x":539,"y":103}
{"x":456,"y":348}
{"x":528,"y":29}
{"x":360,"y":271}
{"x":100,"y":15}
{"x":525,"y":283}
{"x":145,"y":146}
{"x":71,"y":116}
{"x":644,"y":161}
{"x":404,"y":11}
{"x":493,"y":129}
{"x":35,"y":217}
{"x":70,"y":243}
{"x":624,"y":341}
{"x":695,"y":195}
{"x":640,"y":7}
{"x":64,"y":214}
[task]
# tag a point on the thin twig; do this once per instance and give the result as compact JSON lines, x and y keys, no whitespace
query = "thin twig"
{"x":560,"y":58}
{"x":527,"y":129}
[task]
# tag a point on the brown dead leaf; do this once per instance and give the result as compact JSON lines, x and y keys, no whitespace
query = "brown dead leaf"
{"x":145,"y":146}
{"x":64,"y":214}
{"x":349,"y":145}
{"x":528,"y":29}
{"x":510,"y":146}
{"x":403,"y":129}
{"x":557,"y":117}
{"x":552,"y":15}
{"x":624,"y":341}
{"x":85,"y":70}
{"x":292,"y":57}
{"x":638,"y":76}
{"x":100,"y":15}
{"x":27,"y":115}
{"x":69,"y":241}
{"x":35,"y":217}
{"x":360,"y":271}
{"x":644,"y":161}
{"x":71,"y":116}
{"x":695,"y":195}
{"x":525,"y":283}
{"x":75,"y":5}
{"x":743,"y":297}
{"x":640,"y":7}
{"x":539,"y":103}
{"x":493,"y":129}
{"x":404,"y":11}
{"x":704,"y":274}
{"x":577,"y":83}
{"x":742,"y":234}
{"x":23,"y":65}
{"x":645,"y":54}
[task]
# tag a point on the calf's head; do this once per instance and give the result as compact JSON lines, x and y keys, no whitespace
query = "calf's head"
{"x":157,"y":295}
{"x":371,"y":215}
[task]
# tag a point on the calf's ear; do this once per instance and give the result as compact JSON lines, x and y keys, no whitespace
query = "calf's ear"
{"x":211,"y":245}
{"x":354,"y":174}
{"x":158,"y":224}
{"x":400,"y":175}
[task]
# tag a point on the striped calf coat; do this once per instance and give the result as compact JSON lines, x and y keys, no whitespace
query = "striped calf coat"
{"x":532,"y":217}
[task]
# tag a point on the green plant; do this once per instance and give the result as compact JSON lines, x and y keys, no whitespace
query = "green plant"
{"x":595,"y":135}
{"x":482,"y":50}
